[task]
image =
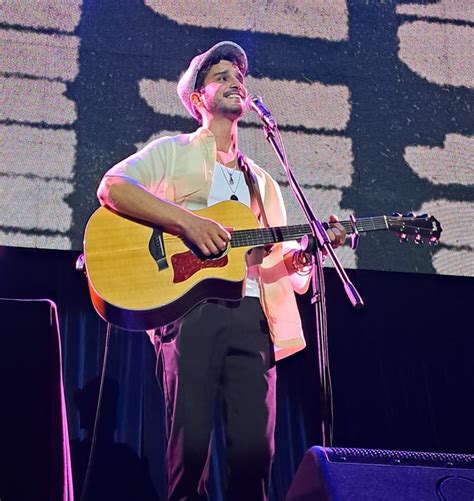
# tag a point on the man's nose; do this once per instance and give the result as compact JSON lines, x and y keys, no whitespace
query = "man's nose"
{"x":238,"y":85}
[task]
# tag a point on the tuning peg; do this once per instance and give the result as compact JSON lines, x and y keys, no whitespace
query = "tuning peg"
{"x":403,"y":237}
{"x":411,"y":214}
{"x":396,"y":214}
{"x":433,"y":241}
{"x":418,"y":240}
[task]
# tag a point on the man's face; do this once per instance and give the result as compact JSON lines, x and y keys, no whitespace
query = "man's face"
{"x":223,"y":92}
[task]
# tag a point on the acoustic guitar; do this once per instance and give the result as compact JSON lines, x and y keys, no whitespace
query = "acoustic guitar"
{"x":141,"y":277}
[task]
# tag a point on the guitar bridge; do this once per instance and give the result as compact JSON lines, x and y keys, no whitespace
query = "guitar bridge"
{"x":157,"y":249}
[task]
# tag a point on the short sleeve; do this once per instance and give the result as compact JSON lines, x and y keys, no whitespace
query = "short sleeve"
{"x":149,"y":166}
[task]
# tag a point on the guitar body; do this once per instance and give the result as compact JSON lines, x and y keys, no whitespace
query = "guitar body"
{"x":141,"y":278}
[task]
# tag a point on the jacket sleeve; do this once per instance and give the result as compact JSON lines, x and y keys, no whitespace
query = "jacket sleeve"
{"x":148,"y":167}
{"x":276,"y":213}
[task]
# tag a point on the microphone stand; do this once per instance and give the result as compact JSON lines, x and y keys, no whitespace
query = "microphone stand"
{"x":316,"y":245}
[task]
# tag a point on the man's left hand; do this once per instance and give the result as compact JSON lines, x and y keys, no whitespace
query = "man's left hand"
{"x":299,"y":261}
{"x":336,"y":232}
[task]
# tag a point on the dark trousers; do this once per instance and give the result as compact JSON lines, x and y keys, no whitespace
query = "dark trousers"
{"x":219,"y":347}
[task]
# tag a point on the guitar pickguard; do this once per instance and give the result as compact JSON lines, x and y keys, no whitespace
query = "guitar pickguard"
{"x":186,"y":264}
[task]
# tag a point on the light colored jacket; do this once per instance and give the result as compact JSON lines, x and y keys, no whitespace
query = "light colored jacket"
{"x":181,"y":169}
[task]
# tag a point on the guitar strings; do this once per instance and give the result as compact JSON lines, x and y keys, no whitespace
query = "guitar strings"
{"x":256,"y":236}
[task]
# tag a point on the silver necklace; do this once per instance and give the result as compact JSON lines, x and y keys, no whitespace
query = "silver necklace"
{"x":230,"y":182}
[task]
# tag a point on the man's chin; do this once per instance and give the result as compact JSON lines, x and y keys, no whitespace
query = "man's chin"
{"x":233,"y":112}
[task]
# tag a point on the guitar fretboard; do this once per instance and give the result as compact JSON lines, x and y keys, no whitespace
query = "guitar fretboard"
{"x":265,"y":236}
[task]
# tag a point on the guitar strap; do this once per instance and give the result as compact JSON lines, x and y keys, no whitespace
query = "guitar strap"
{"x":252,"y":183}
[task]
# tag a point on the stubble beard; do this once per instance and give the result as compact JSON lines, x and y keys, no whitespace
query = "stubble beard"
{"x":232,"y":112}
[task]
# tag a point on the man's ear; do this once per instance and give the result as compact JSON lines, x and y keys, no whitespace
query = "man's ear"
{"x":195,"y":98}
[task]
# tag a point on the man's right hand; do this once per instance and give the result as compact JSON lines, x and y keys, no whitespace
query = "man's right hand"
{"x":131,"y":199}
{"x":208,"y":235}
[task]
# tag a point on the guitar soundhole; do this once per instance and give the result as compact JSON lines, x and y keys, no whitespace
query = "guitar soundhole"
{"x":213,"y":257}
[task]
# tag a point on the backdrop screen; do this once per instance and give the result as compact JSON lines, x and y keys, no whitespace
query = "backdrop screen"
{"x":374,"y":102}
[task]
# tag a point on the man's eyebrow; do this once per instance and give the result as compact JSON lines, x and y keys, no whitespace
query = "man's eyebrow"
{"x":226,"y":72}
{"x":219,"y":73}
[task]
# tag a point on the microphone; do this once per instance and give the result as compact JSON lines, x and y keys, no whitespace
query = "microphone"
{"x":254,"y":102}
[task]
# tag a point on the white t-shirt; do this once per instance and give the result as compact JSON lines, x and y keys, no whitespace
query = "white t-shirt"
{"x":227,"y":183}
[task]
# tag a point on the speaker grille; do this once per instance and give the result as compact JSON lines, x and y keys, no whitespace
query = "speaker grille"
{"x":372,"y":456}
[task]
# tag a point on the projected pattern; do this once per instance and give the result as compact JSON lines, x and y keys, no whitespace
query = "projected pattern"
{"x":373,"y":103}
{"x":39,"y":55}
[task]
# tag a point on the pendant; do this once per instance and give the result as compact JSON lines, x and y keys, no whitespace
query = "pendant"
{"x":234,"y":197}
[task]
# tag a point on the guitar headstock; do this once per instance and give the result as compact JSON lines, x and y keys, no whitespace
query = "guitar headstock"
{"x":419,"y":226}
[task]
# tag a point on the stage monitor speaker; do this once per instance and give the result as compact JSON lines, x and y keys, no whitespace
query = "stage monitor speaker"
{"x":339,"y":474}
{"x":35,"y":461}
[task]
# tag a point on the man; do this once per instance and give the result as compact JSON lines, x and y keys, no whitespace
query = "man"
{"x":219,"y":346}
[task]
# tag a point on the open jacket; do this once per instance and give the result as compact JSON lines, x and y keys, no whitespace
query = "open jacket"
{"x":181,"y":169}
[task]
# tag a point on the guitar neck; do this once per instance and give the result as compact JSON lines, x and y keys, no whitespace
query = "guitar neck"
{"x":273,"y":235}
